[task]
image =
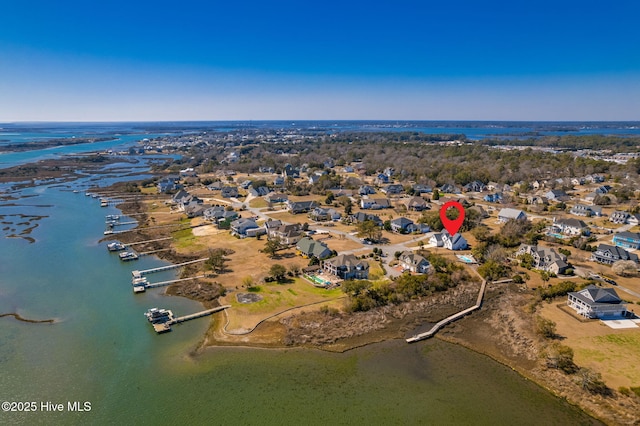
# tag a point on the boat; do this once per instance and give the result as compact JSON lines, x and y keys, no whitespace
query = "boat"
{"x":104,"y":203}
{"x":112,"y":217}
{"x":156,"y":315}
{"x":139,"y":289}
{"x":127,"y":255}
{"x":115,"y":246}
{"x":75,"y":191}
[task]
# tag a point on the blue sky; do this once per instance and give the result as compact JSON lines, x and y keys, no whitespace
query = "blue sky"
{"x":212,"y":60}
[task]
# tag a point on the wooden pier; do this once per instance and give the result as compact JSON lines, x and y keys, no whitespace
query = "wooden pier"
{"x":198,"y":314}
{"x":148,"y":241}
{"x":139,"y":274}
{"x":164,"y":283}
{"x":450,"y":319}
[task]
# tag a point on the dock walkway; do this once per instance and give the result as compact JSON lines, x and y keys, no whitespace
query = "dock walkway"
{"x":198,"y":314}
{"x":139,"y":274}
{"x":450,"y":318}
{"x":163,"y":283}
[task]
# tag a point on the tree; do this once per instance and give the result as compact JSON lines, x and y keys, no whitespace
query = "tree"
{"x":272,"y":246}
{"x":545,"y":327}
{"x":216,"y":261}
{"x":368,"y":229}
{"x":625,"y":268}
{"x":278,"y":272}
{"x":436,"y":194}
{"x":592,"y":381}
{"x":561,"y":356}
{"x":492,"y":270}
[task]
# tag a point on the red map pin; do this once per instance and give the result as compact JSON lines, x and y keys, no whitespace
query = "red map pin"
{"x":452,"y":225}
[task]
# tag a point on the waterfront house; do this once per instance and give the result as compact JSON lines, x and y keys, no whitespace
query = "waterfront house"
{"x":453,"y":242}
{"x":597,"y":302}
{"x":627,"y":240}
{"x":308,"y":248}
{"x":244,"y":227}
{"x":608,"y":254}
{"x":544,"y":259}
{"x":411,"y":261}
{"x":586,"y":211}
{"x":508,"y":213}
{"x":347,"y":267}
{"x":168,"y":184}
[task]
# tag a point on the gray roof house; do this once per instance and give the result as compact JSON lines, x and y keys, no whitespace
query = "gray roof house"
{"x":508,"y":213}
{"x":244,"y":227}
{"x":588,"y":211}
{"x":402,"y":225}
{"x":347,"y":267}
{"x":570,"y":226}
{"x":545,"y":259}
{"x":413,"y":262}
{"x":596,"y":302}
{"x":416,"y":203}
{"x":296,"y":207}
{"x":608,"y":254}
{"x":308,"y":247}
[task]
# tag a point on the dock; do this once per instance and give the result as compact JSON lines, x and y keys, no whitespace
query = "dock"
{"x":139,"y":274}
{"x":148,"y":241}
{"x":140,"y":285}
{"x":163,"y":327}
{"x":450,"y":318}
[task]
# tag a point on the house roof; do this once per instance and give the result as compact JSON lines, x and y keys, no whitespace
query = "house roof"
{"x":348,"y":261}
{"x":311,"y":247}
{"x":626,"y":235}
{"x":617,"y":252}
{"x":510,"y":213}
{"x":594,"y":296}
{"x":571,"y":222}
{"x":412,"y":258}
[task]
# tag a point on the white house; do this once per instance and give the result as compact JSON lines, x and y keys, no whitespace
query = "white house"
{"x":596,"y":302}
{"x":413,"y":262}
{"x":508,"y":213}
{"x":453,"y":242}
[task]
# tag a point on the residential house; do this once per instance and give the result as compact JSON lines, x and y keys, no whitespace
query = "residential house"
{"x":381,"y":179}
{"x":493,"y":198}
{"x":417,"y":204}
{"x":195,"y":210}
{"x":482,"y":213}
{"x":508,"y":213}
{"x":448,"y":188}
{"x":258,"y":192}
{"x":578,"y":181}
{"x":475,"y":186}
{"x":244,"y":227}
{"x":217,"y":213}
{"x":287,"y":234}
{"x":608,"y":254}
{"x":215,"y":186}
{"x":436,"y":240}
{"x":544,"y":259}
{"x":366,"y":190}
{"x":347,"y":169}
{"x":557,"y":195}
{"x":276,"y":197}
{"x":627,"y":240}
{"x":394,"y":188}
{"x":168,"y":184}
{"x":362,"y":216}
{"x":587,"y":211}
{"x":278,"y":181}
{"x":340,"y":192}
{"x":347,"y":267}
{"x":624,"y":217}
{"x":188,"y":173}
{"x":597,"y":302}
{"x":374,"y":203}
{"x":453,"y":242}
{"x":308,"y":248}
{"x":321,"y":214}
{"x":245,"y":184}
{"x":389,"y":171}
{"x":402,"y":225}
{"x":604,"y":189}
{"x":537,"y":200}
{"x":420,"y":189}
{"x":290,"y":171}
{"x":570,"y":226}
{"x":229,"y":192}
{"x":594,"y":178}
{"x":296,"y":207}
{"x":411,"y":261}
{"x":266,"y":169}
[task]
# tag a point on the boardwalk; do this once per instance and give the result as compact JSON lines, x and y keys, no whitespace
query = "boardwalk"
{"x":139,"y":274}
{"x":450,"y":319}
{"x":164,"y":283}
{"x":198,"y":314}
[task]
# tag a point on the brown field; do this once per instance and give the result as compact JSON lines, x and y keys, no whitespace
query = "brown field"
{"x":613,"y":353}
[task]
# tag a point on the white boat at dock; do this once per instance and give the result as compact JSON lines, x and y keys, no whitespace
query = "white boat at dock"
{"x":125,"y":256}
{"x":115,"y":246}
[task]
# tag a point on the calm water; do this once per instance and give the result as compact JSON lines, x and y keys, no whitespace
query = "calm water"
{"x":102,"y":350}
